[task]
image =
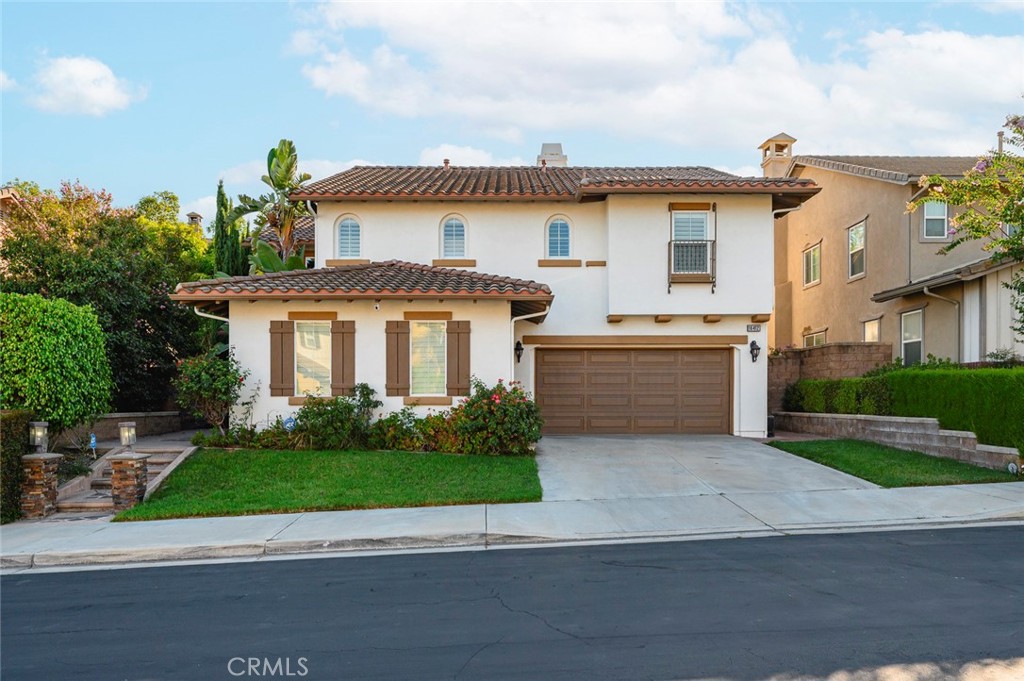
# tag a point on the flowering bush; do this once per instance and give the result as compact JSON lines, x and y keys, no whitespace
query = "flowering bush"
{"x":502,"y":419}
{"x":439,"y":432}
{"x":398,"y":430}
{"x":209,"y":386}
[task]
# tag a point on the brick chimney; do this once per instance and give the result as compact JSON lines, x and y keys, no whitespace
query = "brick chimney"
{"x":777,"y":155}
{"x":551,"y":155}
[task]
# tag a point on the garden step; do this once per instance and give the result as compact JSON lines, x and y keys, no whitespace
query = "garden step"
{"x":93,"y":500}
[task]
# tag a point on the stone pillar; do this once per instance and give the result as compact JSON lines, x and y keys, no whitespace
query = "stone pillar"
{"x":39,"y":487}
{"x":128,"y":480}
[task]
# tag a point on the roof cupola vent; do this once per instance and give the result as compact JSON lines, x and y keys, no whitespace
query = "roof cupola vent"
{"x":777,"y":155}
{"x":551,"y":155}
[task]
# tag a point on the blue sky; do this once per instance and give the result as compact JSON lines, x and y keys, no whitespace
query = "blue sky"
{"x":137,"y":97}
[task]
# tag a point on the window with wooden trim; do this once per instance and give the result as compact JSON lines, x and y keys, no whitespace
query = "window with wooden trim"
{"x":814,"y":339}
{"x":453,"y":237}
{"x":691,"y":242}
{"x":856,"y":262}
{"x":935,"y":220}
{"x":428,"y":358}
{"x":312,"y":357}
{"x":812,"y":265}
{"x":349,"y":238}
{"x":912,"y":336}
{"x":558,"y":238}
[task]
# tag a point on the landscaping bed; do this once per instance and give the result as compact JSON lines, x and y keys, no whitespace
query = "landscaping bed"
{"x":215,"y":482}
{"x":891,"y":467}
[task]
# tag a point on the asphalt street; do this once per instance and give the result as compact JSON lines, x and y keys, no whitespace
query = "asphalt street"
{"x":781,"y":607}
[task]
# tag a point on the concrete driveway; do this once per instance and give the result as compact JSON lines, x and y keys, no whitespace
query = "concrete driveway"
{"x":638,"y":467}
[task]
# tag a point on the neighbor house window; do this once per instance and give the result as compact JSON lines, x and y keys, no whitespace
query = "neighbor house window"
{"x":453,"y":238}
{"x":349,"y":238}
{"x":427,"y":358}
{"x":855,"y":240}
{"x":935,"y":220}
{"x":691,"y":245}
{"x":812,"y":265}
{"x":313,"y":358}
{"x":813,"y":339}
{"x":913,"y":337}
{"x":558,"y":238}
{"x":872,"y":330}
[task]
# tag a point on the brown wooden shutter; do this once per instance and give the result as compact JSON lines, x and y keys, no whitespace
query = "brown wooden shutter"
{"x":398,"y":358}
{"x":282,"y":358}
{"x":458,"y":358}
{"x":343,"y":357}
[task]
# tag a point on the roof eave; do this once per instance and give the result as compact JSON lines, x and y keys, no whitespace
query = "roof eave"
{"x":359,"y":196}
{"x":357,"y":295}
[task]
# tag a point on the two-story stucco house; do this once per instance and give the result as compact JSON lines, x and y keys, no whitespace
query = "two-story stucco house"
{"x":854,"y":265}
{"x":628,"y":300}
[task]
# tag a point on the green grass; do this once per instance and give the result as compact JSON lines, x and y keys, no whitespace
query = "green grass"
{"x":891,"y":467}
{"x":220,"y":483}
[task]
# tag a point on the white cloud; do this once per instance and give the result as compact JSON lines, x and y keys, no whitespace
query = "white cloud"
{"x":708,"y":75}
{"x":247,"y":173}
{"x":6,"y":82}
{"x":81,"y":85}
{"x":205,"y":206}
{"x":464,"y":156}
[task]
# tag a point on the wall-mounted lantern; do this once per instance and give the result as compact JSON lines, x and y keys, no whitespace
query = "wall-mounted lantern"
{"x":755,"y":350}
{"x":519,"y":351}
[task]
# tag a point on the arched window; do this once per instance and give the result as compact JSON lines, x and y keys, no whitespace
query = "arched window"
{"x":349,"y":245}
{"x":453,"y":237}
{"x":558,"y":238}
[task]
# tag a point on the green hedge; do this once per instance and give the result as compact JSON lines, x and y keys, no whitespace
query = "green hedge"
{"x":988,"y":402}
{"x":13,"y":444}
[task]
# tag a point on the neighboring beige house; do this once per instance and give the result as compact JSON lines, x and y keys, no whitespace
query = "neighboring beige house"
{"x":853,"y":265}
{"x":628,"y":300}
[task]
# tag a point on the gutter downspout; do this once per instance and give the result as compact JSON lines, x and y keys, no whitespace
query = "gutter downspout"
{"x":779,"y":211}
{"x":512,"y":333}
{"x":211,"y":316}
{"x":956,"y":304}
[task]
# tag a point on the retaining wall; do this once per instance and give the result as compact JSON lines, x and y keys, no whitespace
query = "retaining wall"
{"x":918,"y":434}
{"x":146,"y":423}
{"x":832,"y":360}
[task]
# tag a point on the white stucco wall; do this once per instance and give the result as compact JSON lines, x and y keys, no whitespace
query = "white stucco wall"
{"x":1000,"y":314}
{"x":490,"y":343}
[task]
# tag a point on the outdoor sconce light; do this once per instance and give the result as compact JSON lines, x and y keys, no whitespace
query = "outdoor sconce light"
{"x":127,"y":429}
{"x":519,"y":351}
{"x":755,"y":350}
{"x":37,"y":436}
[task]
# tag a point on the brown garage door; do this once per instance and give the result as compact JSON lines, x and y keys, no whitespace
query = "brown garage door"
{"x":634,"y":391}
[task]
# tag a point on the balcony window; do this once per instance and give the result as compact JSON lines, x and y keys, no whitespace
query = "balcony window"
{"x":692,"y":249}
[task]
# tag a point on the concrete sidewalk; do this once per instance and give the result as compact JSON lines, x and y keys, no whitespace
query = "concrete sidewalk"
{"x":610,"y":488}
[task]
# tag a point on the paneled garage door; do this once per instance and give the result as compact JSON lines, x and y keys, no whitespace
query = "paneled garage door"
{"x":634,"y":391}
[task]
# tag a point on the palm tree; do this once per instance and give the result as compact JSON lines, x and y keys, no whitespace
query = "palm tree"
{"x":275,"y":207}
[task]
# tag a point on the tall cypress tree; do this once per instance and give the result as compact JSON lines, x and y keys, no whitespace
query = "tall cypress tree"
{"x":227,"y":239}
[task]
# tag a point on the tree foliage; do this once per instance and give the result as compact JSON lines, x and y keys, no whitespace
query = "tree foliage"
{"x":53,"y":360}
{"x":209,"y":386}
{"x":992,"y":196}
{"x":159,"y":207}
{"x":276,"y":209}
{"x":74,"y":244}
{"x":230,"y":256}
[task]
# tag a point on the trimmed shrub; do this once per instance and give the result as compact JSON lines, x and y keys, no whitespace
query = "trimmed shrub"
{"x":439,"y":432}
{"x":499,"y":420}
{"x":875,"y":397}
{"x":53,"y":360}
{"x":398,"y":430}
{"x":208,"y":386}
{"x":13,"y":445}
{"x":336,"y":423}
{"x":989,"y":402}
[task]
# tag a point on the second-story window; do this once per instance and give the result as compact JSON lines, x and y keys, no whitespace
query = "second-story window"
{"x":558,"y":238}
{"x":855,"y":240}
{"x":453,"y":238}
{"x":812,"y":265}
{"x":935,"y":220}
{"x":349,"y":238}
{"x":691,"y":242}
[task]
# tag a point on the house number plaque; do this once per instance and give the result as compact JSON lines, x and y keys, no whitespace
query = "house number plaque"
{"x":753,"y":328}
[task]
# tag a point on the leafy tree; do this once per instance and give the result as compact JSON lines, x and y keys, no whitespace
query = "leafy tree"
{"x":230,"y":256}
{"x":209,"y":386}
{"x":53,"y":360}
{"x":992,"y":196}
{"x":159,"y":207}
{"x":264,"y":258}
{"x":276,"y":208}
{"x":73,"y":244}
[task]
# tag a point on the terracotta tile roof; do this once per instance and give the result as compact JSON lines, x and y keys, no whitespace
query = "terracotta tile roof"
{"x":390,"y":279}
{"x":534,"y":182}
{"x":900,"y":169}
{"x":304,"y":230}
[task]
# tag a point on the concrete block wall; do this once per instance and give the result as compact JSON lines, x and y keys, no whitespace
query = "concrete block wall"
{"x":146,"y":423}
{"x":832,"y":360}
{"x":917,"y":434}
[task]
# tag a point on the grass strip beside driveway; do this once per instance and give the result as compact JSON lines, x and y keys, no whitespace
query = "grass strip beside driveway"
{"x":891,"y":467}
{"x":215,"y":482}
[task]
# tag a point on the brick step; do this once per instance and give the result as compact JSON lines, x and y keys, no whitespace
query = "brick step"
{"x":87,"y":501}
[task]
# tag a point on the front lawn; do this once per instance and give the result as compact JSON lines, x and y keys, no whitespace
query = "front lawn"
{"x":215,"y":482}
{"x":891,"y":467}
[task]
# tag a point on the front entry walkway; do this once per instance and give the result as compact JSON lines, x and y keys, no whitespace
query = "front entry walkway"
{"x":632,"y":466}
